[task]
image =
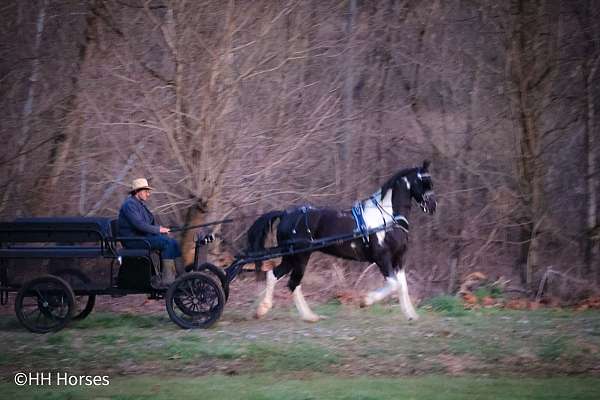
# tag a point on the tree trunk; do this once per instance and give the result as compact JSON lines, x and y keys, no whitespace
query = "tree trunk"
{"x":68,"y":140}
{"x":526,"y":78}
{"x":342,"y":159}
{"x":27,"y":112}
{"x":592,"y":237}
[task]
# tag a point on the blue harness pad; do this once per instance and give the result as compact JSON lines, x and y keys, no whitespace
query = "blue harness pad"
{"x":359,"y":219}
{"x":358,"y":213}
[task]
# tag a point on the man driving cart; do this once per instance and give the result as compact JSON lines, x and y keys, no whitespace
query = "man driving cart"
{"x":136,"y":220}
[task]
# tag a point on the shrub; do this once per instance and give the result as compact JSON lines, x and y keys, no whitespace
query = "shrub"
{"x":448,"y":305}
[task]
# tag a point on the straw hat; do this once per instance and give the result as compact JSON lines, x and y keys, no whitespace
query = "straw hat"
{"x":139,"y":184}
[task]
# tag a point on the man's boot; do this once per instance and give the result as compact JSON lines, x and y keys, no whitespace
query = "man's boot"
{"x":179,"y":267}
{"x":168,"y":272}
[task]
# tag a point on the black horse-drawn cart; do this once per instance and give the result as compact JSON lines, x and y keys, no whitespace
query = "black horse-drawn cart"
{"x":48,"y":302}
{"x":197,"y":297}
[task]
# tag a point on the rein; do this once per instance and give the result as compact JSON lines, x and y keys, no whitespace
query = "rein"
{"x":395,"y":218}
{"x":188,"y":227}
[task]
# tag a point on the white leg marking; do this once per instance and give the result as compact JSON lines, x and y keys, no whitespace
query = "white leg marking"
{"x":405,"y":303}
{"x":267,"y":301}
{"x":305,"y":312}
{"x":391,"y":284}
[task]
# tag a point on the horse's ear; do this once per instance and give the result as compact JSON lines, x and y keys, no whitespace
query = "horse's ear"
{"x":426,"y":164}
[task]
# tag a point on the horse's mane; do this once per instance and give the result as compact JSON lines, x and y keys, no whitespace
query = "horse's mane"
{"x":390,"y":182}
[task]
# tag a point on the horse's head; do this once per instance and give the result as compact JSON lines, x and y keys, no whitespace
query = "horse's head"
{"x":414,"y":183}
{"x":418,"y":182}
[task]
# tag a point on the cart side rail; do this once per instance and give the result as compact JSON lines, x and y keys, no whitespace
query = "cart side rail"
{"x":60,"y":237}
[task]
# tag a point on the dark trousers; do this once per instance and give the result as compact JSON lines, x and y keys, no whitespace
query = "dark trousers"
{"x":168,"y":247}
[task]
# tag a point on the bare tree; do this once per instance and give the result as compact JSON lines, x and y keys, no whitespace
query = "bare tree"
{"x":531,"y":57}
{"x":233,"y":108}
{"x":588,"y":21}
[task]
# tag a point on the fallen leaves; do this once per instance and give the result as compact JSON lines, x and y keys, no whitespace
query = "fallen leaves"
{"x":347,"y":297}
{"x":591,"y":303}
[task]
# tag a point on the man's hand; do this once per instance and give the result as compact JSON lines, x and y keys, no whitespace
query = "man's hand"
{"x":164,"y":230}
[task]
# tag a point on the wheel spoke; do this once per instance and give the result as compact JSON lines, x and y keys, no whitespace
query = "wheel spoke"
{"x":44,"y":304}
{"x":191,"y":288}
{"x":40,"y":296}
{"x":84,"y":303}
{"x":187,"y":292}
{"x":196,"y":302}
{"x":33,"y":311}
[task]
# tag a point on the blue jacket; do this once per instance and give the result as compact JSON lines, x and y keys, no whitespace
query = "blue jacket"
{"x":135,"y":219}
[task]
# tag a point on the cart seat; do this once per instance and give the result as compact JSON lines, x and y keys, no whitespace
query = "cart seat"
{"x":137,"y":266}
{"x":120,"y":243}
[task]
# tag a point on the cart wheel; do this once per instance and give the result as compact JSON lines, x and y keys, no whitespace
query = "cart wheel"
{"x":45,"y":304}
{"x":195,"y":300}
{"x":217,"y":272}
{"x":84,"y":304}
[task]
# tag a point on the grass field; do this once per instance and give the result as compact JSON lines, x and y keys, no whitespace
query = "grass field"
{"x":354,"y":354}
{"x":264,"y":387}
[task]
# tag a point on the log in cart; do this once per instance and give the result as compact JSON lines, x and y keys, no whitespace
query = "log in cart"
{"x":48,"y":302}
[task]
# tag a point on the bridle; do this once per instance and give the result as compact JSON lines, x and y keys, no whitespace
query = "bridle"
{"x":427,"y":196}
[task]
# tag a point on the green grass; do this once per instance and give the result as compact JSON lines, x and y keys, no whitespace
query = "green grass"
{"x":263,"y":387}
{"x":381,"y":310}
{"x":447,"y":305}
{"x":108,"y":339}
{"x":104,"y":321}
{"x":59,"y":338}
{"x":493,"y":292}
{"x":551,"y":348}
{"x":188,"y":349}
{"x":292,"y":357}
{"x":329,"y":309}
{"x":376,"y":341}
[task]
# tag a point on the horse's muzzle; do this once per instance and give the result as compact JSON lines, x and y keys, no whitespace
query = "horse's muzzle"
{"x":429,"y":204}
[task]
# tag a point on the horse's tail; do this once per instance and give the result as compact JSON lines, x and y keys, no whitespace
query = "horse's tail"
{"x":257,"y":234}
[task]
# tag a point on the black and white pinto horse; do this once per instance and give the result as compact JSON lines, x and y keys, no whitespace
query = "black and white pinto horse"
{"x":386,"y":209}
